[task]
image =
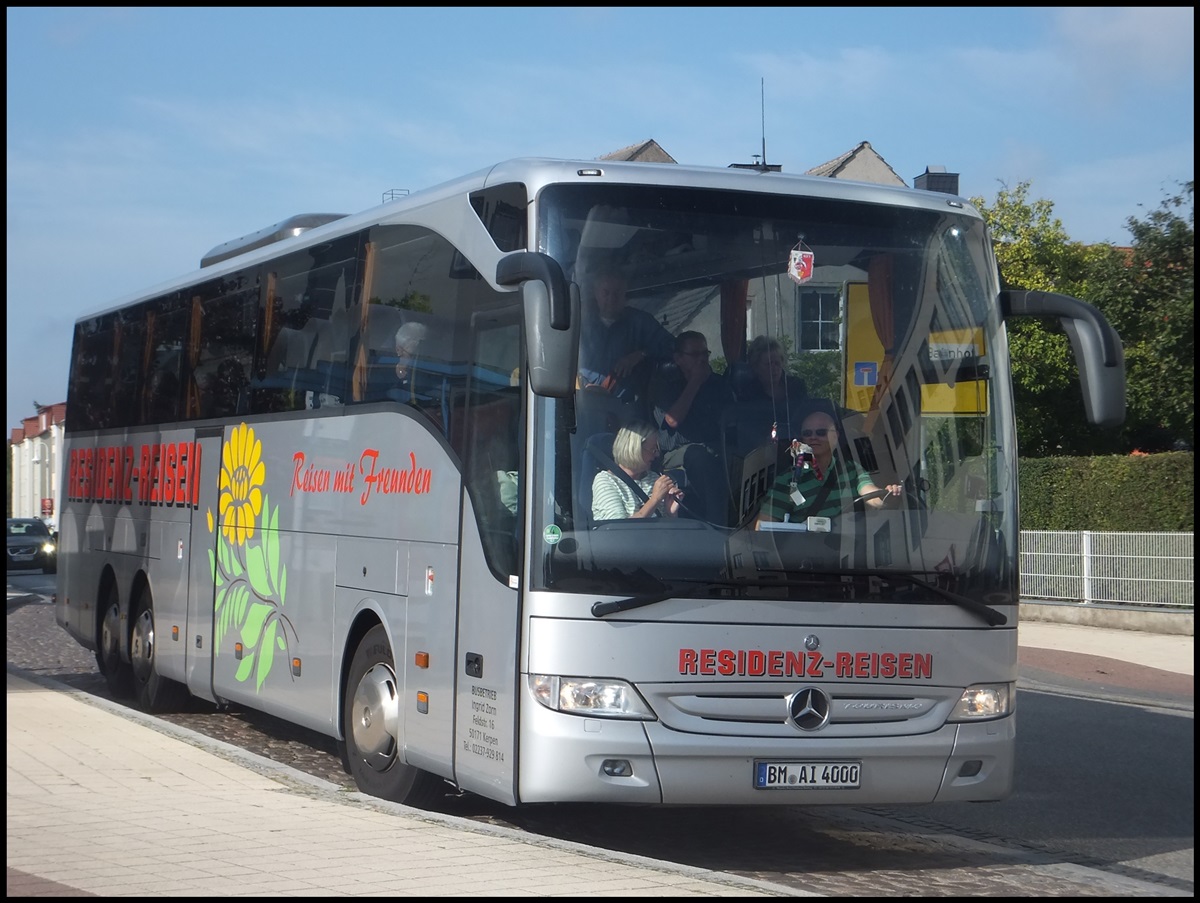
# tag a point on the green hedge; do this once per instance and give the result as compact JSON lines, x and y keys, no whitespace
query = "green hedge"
{"x":1111,"y":493}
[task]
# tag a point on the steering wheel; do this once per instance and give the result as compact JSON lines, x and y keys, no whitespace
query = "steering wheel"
{"x":860,"y":503}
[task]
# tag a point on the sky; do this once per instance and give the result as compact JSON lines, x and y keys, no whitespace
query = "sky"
{"x":139,"y":139}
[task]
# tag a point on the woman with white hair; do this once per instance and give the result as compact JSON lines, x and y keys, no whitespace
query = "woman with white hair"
{"x":635,"y":449}
{"x":409,"y":337}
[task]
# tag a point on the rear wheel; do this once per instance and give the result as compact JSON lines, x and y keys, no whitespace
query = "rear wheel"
{"x":118,"y":674}
{"x":155,"y":693}
{"x":371,"y":724}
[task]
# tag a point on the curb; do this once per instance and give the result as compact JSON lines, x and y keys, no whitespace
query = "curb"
{"x":1110,"y":617}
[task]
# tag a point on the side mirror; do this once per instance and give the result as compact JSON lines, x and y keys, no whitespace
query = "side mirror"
{"x":551,"y":308}
{"x":1098,"y":351}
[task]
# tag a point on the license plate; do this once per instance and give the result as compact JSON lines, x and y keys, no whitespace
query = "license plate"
{"x":802,"y":775}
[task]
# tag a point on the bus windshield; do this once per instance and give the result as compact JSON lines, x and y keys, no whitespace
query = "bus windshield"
{"x":872,"y":469}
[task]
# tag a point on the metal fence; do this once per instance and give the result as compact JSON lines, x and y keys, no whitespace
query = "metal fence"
{"x":1142,"y":569}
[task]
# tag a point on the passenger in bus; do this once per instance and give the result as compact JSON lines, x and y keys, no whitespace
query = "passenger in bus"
{"x":227,"y":390}
{"x":634,"y":451}
{"x":619,"y":345}
{"x":819,"y":482}
{"x":163,"y":400}
{"x":689,"y":398}
{"x":409,"y":337}
{"x":766,"y":389}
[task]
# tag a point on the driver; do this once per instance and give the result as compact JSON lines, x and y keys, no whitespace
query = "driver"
{"x":823,"y":486}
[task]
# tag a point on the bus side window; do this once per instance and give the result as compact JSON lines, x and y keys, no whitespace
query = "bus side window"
{"x":492,"y":460}
{"x":276,"y":390}
{"x":162,"y":402}
{"x":380,"y":338}
{"x":226,"y":393}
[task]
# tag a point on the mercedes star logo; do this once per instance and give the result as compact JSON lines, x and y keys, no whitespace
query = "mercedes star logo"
{"x":808,"y":709}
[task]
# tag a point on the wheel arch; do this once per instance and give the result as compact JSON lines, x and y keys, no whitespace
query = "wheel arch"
{"x":139,"y":584}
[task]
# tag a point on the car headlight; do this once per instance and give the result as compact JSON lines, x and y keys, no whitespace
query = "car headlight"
{"x":984,"y":701}
{"x":48,"y":548}
{"x":593,"y":697}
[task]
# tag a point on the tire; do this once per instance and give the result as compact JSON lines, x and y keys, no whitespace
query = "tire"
{"x":118,"y":674}
{"x":371,"y":726}
{"x":155,"y":693}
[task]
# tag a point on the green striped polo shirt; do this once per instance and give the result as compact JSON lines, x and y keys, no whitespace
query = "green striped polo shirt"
{"x":848,"y":483}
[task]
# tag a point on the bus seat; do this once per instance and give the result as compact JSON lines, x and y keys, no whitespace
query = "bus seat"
{"x":310,"y":334}
{"x":382,"y":322}
{"x":288,"y":354}
{"x":596,"y":456}
{"x":330,"y":355}
{"x":740,"y":377}
{"x":598,"y":411}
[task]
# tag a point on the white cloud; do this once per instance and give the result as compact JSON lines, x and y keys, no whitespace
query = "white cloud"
{"x":1125,"y":46}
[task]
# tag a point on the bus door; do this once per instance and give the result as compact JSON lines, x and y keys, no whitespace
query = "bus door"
{"x":200,"y":593}
{"x":486,"y":666}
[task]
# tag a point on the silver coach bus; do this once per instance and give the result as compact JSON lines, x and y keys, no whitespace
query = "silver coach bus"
{"x":342,"y":474}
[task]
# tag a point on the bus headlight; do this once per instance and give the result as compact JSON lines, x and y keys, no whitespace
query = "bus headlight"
{"x":983,"y":701}
{"x":593,"y":697}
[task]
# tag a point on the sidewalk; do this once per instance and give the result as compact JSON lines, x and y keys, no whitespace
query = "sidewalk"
{"x":100,"y":801}
{"x":103,"y":800}
{"x":1167,"y":652}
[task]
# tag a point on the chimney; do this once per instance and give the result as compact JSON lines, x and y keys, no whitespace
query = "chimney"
{"x":935,"y":178}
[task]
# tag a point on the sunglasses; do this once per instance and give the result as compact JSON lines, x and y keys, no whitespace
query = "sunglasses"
{"x":805,"y":434}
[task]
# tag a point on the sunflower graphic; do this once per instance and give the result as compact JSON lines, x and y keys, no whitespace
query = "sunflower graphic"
{"x":249,"y":577}
{"x":242,"y":474}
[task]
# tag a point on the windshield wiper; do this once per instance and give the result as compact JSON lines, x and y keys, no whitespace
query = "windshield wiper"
{"x":666,"y":591}
{"x":600,"y":609}
{"x":988,"y":614}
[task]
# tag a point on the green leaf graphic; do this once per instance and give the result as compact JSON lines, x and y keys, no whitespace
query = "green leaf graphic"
{"x":245,"y":667}
{"x":273,"y":548}
{"x":267,"y":654}
{"x":252,"y":628}
{"x":236,"y":567}
{"x":239,"y":600}
{"x":256,"y":570}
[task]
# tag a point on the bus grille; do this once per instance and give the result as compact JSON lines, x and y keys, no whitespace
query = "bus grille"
{"x":761,"y":710}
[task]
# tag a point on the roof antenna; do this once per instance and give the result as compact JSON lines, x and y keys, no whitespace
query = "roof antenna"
{"x":762,"y":87}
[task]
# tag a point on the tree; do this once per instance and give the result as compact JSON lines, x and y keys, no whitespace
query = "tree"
{"x":1034,"y":253}
{"x":1148,"y":294}
{"x":1151,"y":301}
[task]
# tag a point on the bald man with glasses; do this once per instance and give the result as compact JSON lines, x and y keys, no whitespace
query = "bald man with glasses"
{"x":819,"y":483}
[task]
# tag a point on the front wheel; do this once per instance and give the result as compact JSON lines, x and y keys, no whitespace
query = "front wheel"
{"x":371,"y":723}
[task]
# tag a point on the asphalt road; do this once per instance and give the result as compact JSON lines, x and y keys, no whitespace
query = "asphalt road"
{"x":1103,"y":807}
